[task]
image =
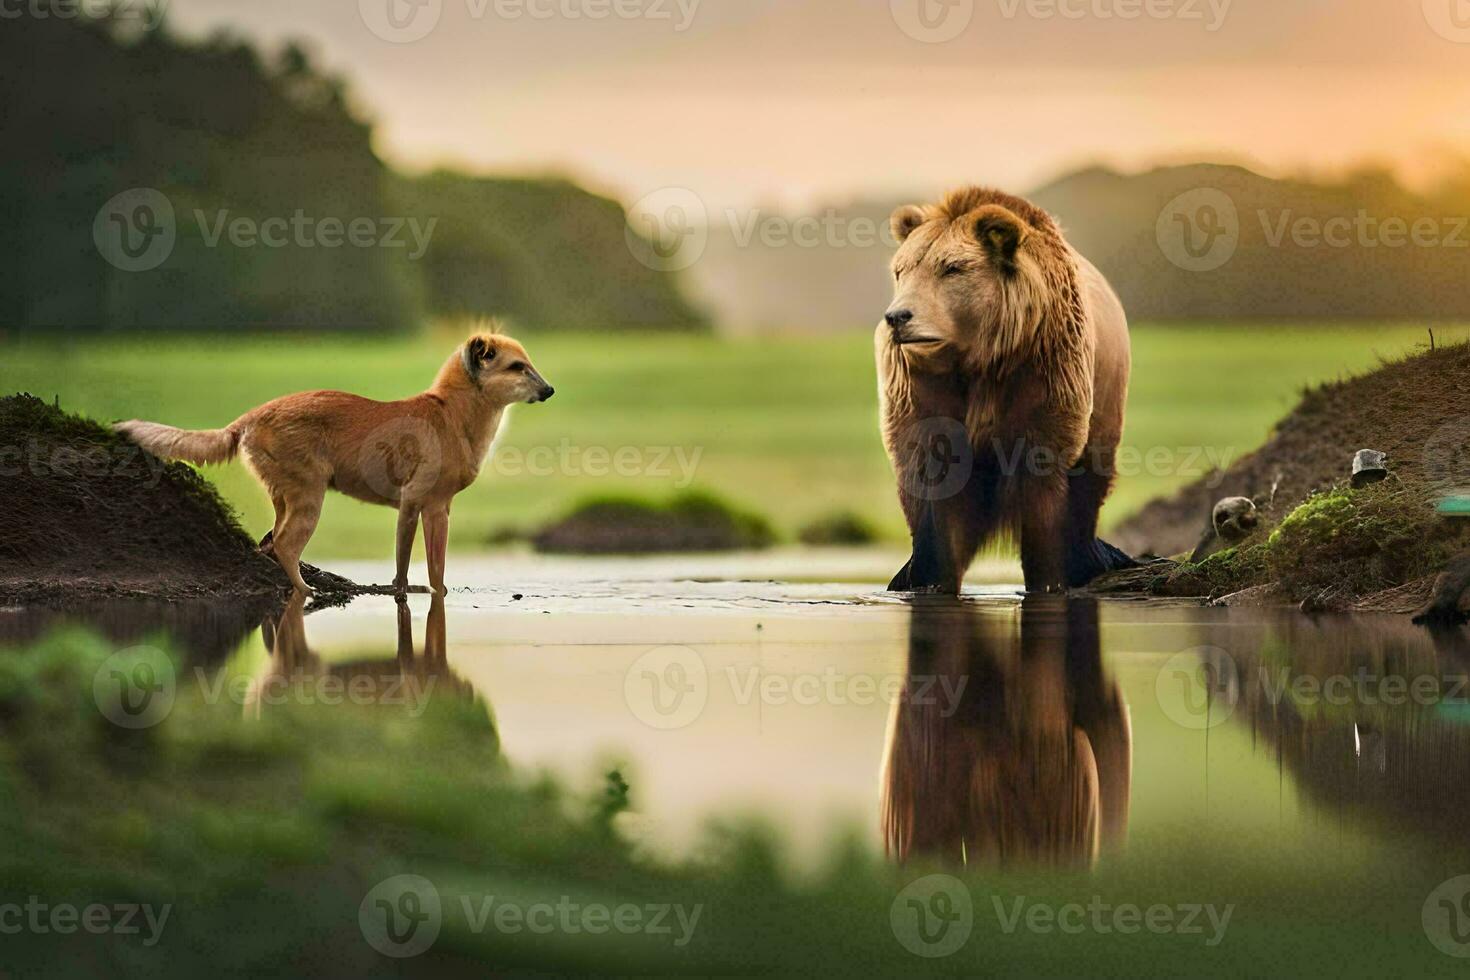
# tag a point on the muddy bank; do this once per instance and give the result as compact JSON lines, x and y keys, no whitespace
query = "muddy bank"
{"x":1317,"y":539}
{"x":88,"y":516}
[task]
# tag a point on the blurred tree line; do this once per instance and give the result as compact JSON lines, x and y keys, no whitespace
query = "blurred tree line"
{"x":282,"y":216}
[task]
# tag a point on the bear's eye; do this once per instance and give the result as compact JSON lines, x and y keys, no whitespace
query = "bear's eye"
{"x":952,"y":269}
{"x":518,"y":367}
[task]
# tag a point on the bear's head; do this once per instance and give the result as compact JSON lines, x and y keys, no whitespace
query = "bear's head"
{"x":970,"y":280}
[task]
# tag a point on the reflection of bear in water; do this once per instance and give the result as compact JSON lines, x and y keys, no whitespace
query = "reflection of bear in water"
{"x":1031,"y":763}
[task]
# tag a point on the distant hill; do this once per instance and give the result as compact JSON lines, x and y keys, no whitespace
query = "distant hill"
{"x":151,"y":183}
{"x":1294,"y":249}
{"x":545,"y":253}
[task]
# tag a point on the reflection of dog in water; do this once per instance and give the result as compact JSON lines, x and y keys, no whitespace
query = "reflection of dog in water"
{"x":1031,"y":763}
{"x":404,"y":682}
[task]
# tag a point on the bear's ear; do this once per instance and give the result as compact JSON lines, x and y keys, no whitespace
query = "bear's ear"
{"x":1000,"y":233}
{"x":476,"y":352}
{"x":905,"y":220}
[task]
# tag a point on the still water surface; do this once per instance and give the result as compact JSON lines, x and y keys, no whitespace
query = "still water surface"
{"x":1106,"y":738}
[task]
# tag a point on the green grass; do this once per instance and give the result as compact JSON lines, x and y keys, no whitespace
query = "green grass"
{"x":785,"y":427}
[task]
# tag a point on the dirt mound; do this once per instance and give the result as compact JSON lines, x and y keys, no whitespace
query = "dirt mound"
{"x":1416,"y":410}
{"x":87,"y":514}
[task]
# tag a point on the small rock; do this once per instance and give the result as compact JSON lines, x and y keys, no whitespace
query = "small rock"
{"x":1235,"y":518}
{"x":1369,"y":466}
{"x":517,"y":597}
{"x":1231,"y":521}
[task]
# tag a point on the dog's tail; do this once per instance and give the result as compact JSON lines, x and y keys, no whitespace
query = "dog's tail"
{"x":195,"y":446}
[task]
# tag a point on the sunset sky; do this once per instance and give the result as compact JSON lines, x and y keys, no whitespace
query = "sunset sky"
{"x":783,"y":101}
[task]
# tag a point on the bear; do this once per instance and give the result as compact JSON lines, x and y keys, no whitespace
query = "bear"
{"x":1003,"y":365}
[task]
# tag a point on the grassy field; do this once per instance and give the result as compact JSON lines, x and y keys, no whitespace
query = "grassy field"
{"x":786,"y":427}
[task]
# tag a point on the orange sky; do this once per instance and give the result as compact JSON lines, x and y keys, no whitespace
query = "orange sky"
{"x":749,"y":101}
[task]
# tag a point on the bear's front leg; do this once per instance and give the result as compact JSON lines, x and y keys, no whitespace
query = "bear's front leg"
{"x":931,"y":567}
{"x":1043,"y":538}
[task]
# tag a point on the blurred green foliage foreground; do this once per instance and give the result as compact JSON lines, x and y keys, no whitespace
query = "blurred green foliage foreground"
{"x":273,"y":841}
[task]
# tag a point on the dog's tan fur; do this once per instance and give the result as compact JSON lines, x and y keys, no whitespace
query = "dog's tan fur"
{"x":414,"y":454}
{"x":1015,"y":336}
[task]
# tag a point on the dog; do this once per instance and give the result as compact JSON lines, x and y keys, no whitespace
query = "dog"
{"x":414,"y":454}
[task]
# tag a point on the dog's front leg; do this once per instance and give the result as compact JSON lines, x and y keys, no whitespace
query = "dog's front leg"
{"x":436,"y":543}
{"x":408,"y":526}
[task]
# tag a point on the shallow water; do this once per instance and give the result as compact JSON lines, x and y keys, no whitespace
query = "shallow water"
{"x":1109,"y":735}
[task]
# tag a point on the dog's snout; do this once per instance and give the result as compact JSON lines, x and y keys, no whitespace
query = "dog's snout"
{"x":898,"y":318}
{"x":547,"y":392}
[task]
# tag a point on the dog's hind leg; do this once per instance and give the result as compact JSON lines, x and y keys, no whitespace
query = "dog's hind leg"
{"x":303,"y":510}
{"x":267,"y":543}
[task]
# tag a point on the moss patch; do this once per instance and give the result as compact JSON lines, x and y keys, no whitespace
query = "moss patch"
{"x":628,"y":525}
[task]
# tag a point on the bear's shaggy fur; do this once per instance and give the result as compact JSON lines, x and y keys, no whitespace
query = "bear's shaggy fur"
{"x":1003,"y":371}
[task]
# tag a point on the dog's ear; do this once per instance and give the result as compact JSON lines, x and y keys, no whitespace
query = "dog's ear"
{"x":1001,"y":233}
{"x":476,"y":353}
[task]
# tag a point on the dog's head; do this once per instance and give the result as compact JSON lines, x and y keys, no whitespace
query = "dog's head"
{"x":500,"y":368}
